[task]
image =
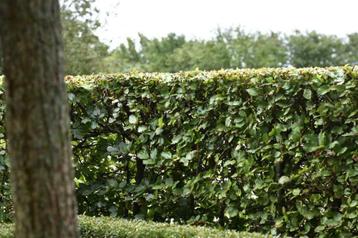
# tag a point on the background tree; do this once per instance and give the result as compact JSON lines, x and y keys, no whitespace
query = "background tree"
{"x":124,"y":58}
{"x":84,"y":52}
{"x":233,"y":48}
{"x":229,"y":48}
{"x":254,"y":50}
{"x":155,"y":53}
{"x":37,"y":119}
{"x":313,"y":49}
{"x":205,"y":55}
{"x":352,"y":49}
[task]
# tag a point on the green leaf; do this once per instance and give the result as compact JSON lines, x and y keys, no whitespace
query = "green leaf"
{"x":166,"y":155}
{"x":149,"y":162}
{"x":228,"y":122}
{"x":161,"y":122}
{"x":322,"y":139}
{"x":311,"y":143}
{"x":283,"y":180}
{"x":296,"y":191}
{"x":323,"y":90}
{"x":94,"y":125}
{"x":143,"y":155}
{"x":252,"y":92}
{"x":176,"y":139}
{"x":231,"y":211}
{"x":189,"y":156}
{"x":307,"y":93}
{"x":153,"y":154}
{"x":112,"y":149}
{"x":142,"y":129}
{"x":133,"y":119}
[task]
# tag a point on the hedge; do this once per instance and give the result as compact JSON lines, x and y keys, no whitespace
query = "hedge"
{"x":106,"y":227}
{"x":268,"y":150}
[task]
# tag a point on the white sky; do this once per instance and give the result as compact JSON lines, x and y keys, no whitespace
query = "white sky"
{"x":200,"y":18}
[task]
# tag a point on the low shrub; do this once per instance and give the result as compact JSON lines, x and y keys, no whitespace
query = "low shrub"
{"x":102,"y":227}
{"x":6,"y":230}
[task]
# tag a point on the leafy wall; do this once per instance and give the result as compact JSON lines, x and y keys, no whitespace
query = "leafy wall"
{"x":259,"y":150}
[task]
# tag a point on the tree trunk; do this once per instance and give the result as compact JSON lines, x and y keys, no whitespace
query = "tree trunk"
{"x":37,"y":119}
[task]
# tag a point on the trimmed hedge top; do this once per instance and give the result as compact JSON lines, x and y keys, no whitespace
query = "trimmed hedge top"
{"x":242,"y":76}
{"x":106,"y":227}
{"x":269,"y":150}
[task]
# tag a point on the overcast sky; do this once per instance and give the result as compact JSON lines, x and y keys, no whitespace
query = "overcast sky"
{"x":200,"y":18}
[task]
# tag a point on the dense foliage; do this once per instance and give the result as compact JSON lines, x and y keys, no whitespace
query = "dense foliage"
{"x":269,"y":150}
{"x":102,"y":227}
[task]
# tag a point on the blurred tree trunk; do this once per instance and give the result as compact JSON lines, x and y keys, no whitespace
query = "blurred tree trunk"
{"x":37,"y":119}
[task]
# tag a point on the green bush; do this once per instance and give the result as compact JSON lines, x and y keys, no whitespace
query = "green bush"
{"x":270,"y":150}
{"x":102,"y":227}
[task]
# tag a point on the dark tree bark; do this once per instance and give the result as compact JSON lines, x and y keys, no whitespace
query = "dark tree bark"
{"x":37,"y":119}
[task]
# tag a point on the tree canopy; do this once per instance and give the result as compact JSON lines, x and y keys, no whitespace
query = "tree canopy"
{"x":85,"y":53}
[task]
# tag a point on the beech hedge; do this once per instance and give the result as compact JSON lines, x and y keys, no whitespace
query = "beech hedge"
{"x":267,"y":150}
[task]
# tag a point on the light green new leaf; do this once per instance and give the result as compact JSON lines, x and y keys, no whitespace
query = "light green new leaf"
{"x":133,"y":119}
{"x":252,"y":91}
